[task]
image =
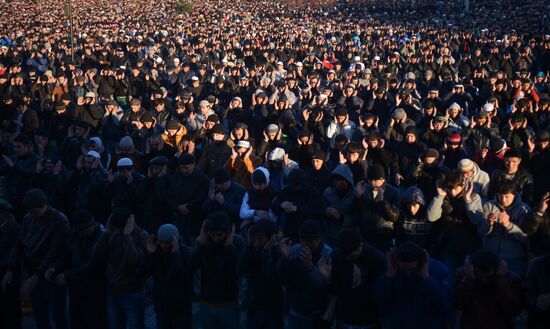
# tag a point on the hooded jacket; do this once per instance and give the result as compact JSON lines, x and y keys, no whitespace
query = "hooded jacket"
{"x":481,"y":182}
{"x":508,"y":243}
{"x":342,"y":202}
{"x":258,"y":200}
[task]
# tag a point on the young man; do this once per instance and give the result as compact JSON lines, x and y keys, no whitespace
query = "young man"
{"x":505,"y":216}
{"x":456,"y":214}
{"x":351,"y":273}
{"x":264,"y":292}
{"x":413,"y":290}
{"x":216,"y":255}
{"x":40,"y":248}
{"x":299,"y":273}
{"x":486,"y":294}
{"x":121,"y":249}
{"x":84,"y":278}
{"x":169,"y":264}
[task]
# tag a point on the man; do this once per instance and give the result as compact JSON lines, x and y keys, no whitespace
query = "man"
{"x":120,"y":249}
{"x":297,"y":202}
{"x":351,"y":273}
{"x":216,"y":255}
{"x":264,"y":292}
{"x":169,"y":264}
{"x":538,"y":227}
{"x":10,"y":297}
{"x":428,"y":171}
{"x":486,"y":295}
{"x":303,"y":283}
{"x":122,"y":184}
{"x":18,"y":169}
{"x":375,"y":209}
{"x":226,"y":195}
{"x":337,"y":200}
{"x":152,"y":193}
{"x":215,"y":153}
{"x":83,"y":277}
{"x":512,"y":172}
{"x":456,"y":214}
{"x":39,"y":249}
{"x":505,"y":216}
{"x":87,"y":183}
{"x":474,"y":175}
{"x":413,"y":276}
{"x":318,"y":174}
{"x":186,"y":192}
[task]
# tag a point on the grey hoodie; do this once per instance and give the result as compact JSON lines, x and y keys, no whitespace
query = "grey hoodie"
{"x":508,"y":243}
{"x":481,"y":182}
{"x":331,"y":198}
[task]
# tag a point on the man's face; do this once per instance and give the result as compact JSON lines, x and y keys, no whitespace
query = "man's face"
{"x":156,"y":169}
{"x":512,"y":164}
{"x":217,"y":237}
{"x":165,"y":246}
{"x":438,"y":125}
{"x":340,"y":184}
{"x":20,"y":149}
{"x":373,"y":143}
{"x":172,"y":132}
{"x":37,"y":212}
{"x":411,"y":138}
{"x":467,"y":174}
{"x":543,"y":145}
{"x":187,"y":170}
{"x":430,"y":161}
{"x":88,"y":162}
{"x":456,"y":191}
{"x":313,"y":244}
{"x":135,"y":107}
{"x":409,"y":268}
{"x":224,"y":186}
{"x":317,"y":164}
{"x":413,"y":208}
{"x":259,"y":240}
{"x":377,"y":183}
{"x":506,"y":199}
{"x":218,"y":137}
{"x":353,"y":157}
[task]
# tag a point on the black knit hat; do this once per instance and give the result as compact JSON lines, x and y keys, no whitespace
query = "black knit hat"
{"x":310,"y":230}
{"x":376,"y":172}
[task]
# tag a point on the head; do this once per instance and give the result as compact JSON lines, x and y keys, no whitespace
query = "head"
{"x":377,"y":176}
{"x":512,"y":160}
{"x":410,"y":258}
{"x":119,"y":218}
{"x":222,"y":180}
{"x":350,"y":244}
{"x":83,"y":223}
{"x":187,"y":164}
{"x":261,"y":232}
{"x":310,"y":233}
{"x":166,"y":235}
{"x":467,"y":168}
{"x":259,"y":179}
{"x":35,"y":202}
{"x":218,"y":227}
{"x":506,"y":194}
{"x":485,"y":265}
{"x":21,"y":145}
{"x":454,"y":183}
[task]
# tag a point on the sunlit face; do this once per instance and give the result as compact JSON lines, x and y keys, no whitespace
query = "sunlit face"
{"x":413,"y":208}
{"x":353,"y":157}
{"x":512,"y":164}
{"x":456,"y":191}
{"x":377,"y":183}
{"x":506,"y":200}
{"x":411,"y":138}
{"x":317,"y":164}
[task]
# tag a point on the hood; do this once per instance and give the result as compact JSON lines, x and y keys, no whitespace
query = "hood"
{"x":265,"y":172}
{"x":414,"y":194}
{"x":344,"y":171}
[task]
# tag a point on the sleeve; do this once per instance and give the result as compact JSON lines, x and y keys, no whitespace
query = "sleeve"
{"x":56,"y":248}
{"x":474,"y":210}
{"x":435,"y":209}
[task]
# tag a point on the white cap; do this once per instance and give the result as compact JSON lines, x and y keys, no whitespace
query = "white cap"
{"x":125,"y":162}
{"x":194,"y":78}
{"x":277,"y":154}
{"x":299,"y":64}
{"x":93,"y":154}
{"x":376,"y":58}
{"x":488,"y":107}
{"x":243,"y":144}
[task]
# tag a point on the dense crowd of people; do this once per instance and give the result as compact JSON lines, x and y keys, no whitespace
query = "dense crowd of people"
{"x":316,"y":164}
